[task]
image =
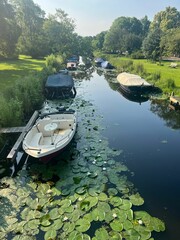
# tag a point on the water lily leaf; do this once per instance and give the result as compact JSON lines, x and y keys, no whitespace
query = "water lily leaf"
{"x":144,"y":232}
{"x":54,"y":213}
{"x":102,"y":234}
{"x":121,"y":214}
{"x":157,"y":224}
{"x":82,"y":225}
{"x":131,"y":234}
{"x":102,"y":197}
{"x":65,"y":192}
{"x":116,"y":226}
{"x":136,"y":199}
{"x":98,"y":214}
{"x":127,"y":224}
{"x":45,"y":220}
{"x":126,"y":204}
{"x":68,"y":227}
{"x":50,"y":235}
{"x":77,"y":180}
{"x":33,"y":224}
{"x":116,"y":201}
{"x":69,"y":209}
{"x":112,"y":192}
{"x":130,"y":214}
{"x":93,"y":192}
{"x":80,"y":190}
{"x":104,"y":207}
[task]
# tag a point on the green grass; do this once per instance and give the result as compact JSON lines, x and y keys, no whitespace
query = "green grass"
{"x":11,"y":70}
{"x":150,"y":68}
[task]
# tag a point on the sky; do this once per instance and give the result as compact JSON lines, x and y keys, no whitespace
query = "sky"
{"x":94,"y":16}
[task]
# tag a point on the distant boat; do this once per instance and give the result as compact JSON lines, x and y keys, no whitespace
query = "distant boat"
{"x":106,"y":65}
{"x":98,"y":61}
{"x":71,"y":66}
{"x":60,"y":85}
{"x":50,"y":134}
{"x":133,"y":84}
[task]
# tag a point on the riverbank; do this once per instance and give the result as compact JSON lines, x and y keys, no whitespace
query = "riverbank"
{"x":161,"y":74}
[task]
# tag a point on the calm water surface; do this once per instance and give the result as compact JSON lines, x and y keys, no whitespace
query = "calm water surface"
{"x":150,"y":149}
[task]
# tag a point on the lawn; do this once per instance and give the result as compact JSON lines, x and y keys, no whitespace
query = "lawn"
{"x":11,"y":70}
{"x":166,"y":72}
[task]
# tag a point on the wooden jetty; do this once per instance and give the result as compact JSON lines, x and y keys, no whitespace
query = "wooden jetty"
{"x":13,"y":153}
{"x":174,"y":102}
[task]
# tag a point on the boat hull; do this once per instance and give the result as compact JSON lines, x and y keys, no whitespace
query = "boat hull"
{"x":50,"y":135}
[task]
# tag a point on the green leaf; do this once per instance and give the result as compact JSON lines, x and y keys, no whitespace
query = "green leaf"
{"x":50,"y":235}
{"x":116,"y":226}
{"x":82,"y":225}
{"x":102,"y":234}
{"x":136,"y":199}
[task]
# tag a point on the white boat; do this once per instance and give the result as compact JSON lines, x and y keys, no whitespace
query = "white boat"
{"x":50,"y":134}
{"x":133,"y":84}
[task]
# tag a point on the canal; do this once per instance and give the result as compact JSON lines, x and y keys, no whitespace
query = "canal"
{"x":149,"y":135}
{"x":113,"y":133}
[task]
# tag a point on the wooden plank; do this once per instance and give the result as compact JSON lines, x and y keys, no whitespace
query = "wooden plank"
{"x":12,"y":130}
{"x":17,"y":145}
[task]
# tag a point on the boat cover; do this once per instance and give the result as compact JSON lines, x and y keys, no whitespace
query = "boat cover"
{"x":106,"y":64}
{"x":128,"y":79}
{"x":60,"y":80}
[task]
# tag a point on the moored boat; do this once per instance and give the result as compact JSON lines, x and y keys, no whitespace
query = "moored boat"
{"x":50,"y":134}
{"x":133,"y":84}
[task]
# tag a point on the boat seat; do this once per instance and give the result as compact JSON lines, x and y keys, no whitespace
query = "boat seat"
{"x":36,"y":139}
{"x":64,"y":123}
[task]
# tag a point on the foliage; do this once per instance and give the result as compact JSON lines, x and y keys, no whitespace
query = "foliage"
{"x":9,"y":31}
{"x":56,"y":63}
{"x":11,"y":112}
{"x":125,"y":34}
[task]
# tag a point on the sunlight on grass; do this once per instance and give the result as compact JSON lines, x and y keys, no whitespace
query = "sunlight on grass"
{"x":11,"y":70}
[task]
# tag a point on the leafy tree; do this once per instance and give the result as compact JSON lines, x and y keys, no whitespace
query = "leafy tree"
{"x":58,"y":29}
{"x":151,"y":45}
{"x":165,"y":20}
{"x":98,"y":41}
{"x":30,"y":18}
{"x":170,"y":43}
{"x":9,"y":31}
{"x":124,"y":35}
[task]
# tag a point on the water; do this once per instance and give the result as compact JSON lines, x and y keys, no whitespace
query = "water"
{"x":150,"y":148}
{"x":149,"y":135}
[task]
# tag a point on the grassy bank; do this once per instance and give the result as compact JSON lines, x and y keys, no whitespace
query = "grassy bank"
{"x":12,"y":70}
{"x":160,"y":74}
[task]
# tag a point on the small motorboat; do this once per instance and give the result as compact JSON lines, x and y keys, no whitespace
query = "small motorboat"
{"x":50,"y":134}
{"x":133,"y":84}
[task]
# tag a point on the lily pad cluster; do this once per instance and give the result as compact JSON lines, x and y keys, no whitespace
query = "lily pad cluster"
{"x":84,"y":194}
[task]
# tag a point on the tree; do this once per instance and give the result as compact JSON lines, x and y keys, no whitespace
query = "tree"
{"x":9,"y":30}
{"x":125,"y":34}
{"x":170,"y":43}
{"x":98,"y":41}
{"x":30,"y":18}
{"x":59,"y":32}
{"x":151,"y":45}
{"x":166,"y":20}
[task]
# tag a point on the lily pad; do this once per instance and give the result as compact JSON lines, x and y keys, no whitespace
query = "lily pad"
{"x":50,"y":235}
{"x":82,"y":225}
{"x":116,"y":226}
{"x":136,"y":199}
{"x":102,"y":234}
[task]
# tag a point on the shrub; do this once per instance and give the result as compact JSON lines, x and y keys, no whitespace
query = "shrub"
{"x":55,"y":62}
{"x":156,"y":76}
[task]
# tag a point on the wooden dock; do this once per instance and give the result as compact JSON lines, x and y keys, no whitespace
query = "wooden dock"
{"x":13,"y":153}
{"x":174,"y":102}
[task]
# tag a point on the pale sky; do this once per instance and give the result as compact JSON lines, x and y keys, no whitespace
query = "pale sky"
{"x":94,"y":16}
